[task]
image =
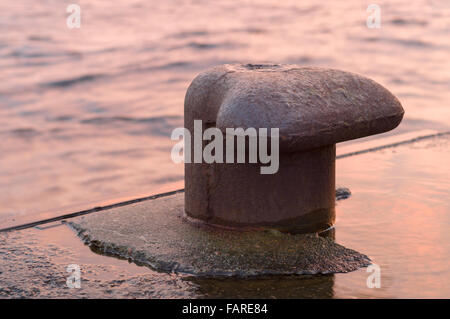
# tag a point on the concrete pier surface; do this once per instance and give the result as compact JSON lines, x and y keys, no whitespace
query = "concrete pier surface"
{"x":155,"y":233}
{"x":397,"y":215}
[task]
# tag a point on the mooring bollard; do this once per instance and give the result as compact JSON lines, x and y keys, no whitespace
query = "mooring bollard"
{"x":313,"y":108}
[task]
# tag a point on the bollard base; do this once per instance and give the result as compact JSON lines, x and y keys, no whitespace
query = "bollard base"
{"x":155,"y":233}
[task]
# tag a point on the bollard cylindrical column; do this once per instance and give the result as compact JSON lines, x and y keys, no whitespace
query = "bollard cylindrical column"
{"x":312,"y":109}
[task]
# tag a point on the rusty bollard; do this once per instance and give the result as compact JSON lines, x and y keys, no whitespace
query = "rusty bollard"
{"x":313,"y":108}
{"x":310,"y":109}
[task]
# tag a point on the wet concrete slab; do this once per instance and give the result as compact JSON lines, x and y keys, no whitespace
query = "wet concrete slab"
{"x":34,"y":263}
{"x":157,"y":234}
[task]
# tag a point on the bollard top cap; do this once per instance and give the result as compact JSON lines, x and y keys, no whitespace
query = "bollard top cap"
{"x":312,"y":107}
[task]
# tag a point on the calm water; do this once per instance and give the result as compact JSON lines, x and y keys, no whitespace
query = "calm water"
{"x":86,"y":114}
